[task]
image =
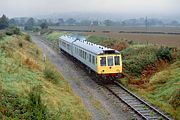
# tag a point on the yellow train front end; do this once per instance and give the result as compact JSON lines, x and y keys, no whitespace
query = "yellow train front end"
{"x":109,"y":65}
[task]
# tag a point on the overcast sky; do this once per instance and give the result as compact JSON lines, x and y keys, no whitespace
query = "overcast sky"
{"x":124,"y":8}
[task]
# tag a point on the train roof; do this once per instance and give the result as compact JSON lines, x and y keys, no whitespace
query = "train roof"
{"x":94,"y":48}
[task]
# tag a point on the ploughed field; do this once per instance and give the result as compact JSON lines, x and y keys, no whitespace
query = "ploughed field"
{"x":166,"y":36}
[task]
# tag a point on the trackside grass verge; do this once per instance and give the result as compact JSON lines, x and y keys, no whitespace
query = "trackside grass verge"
{"x":31,"y":88}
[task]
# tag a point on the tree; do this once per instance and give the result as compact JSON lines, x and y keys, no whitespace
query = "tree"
{"x":108,"y":22}
{"x":12,"y":22}
{"x":85,"y":23}
{"x":44,"y":25}
{"x":29,"y":24}
{"x":60,"y":21}
{"x":4,"y":22}
{"x":95,"y":23}
{"x":174,"y":23}
{"x":71,"y":21}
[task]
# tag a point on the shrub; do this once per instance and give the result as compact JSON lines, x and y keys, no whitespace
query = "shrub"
{"x":136,"y":59}
{"x":164,"y":53}
{"x":9,"y":32}
{"x":13,"y":30}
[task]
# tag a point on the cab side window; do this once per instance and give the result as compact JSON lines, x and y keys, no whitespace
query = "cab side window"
{"x":103,"y":61}
{"x":116,"y":60}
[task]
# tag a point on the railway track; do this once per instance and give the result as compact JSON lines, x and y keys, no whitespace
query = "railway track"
{"x":145,"y":110}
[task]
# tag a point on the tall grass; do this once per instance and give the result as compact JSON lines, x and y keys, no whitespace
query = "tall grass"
{"x":21,"y":70}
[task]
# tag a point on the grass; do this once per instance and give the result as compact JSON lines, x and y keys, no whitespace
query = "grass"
{"x":108,"y":42}
{"x":163,"y":90}
{"x":54,"y":35}
{"x":22,"y":71}
{"x":97,"y":104}
{"x":158,"y":66}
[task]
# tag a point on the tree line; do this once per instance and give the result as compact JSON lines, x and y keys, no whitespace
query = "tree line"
{"x":29,"y":23}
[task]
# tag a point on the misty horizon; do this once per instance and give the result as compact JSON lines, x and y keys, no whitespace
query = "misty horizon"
{"x":94,"y":9}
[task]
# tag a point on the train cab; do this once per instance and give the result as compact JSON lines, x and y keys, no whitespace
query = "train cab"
{"x":109,"y":63}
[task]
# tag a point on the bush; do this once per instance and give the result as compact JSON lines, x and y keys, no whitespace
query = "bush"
{"x":164,"y":53}
{"x":44,"y":26}
{"x":13,"y":30}
{"x":136,"y":59}
{"x":9,"y":32}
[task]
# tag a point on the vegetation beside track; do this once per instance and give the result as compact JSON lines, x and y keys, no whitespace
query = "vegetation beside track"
{"x":150,"y":70}
{"x":31,"y":88}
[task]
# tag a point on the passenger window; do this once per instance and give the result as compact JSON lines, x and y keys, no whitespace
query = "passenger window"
{"x":103,"y":61}
{"x":89,"y":57}
{"x":82,"y":54}
{"x":68,"y":46}
{"x":93,"y":60}
{"x":85,"y":55}
{"x":117,"y":60}
{"x":110,"y":60}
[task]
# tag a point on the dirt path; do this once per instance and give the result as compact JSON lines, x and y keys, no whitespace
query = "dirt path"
{"x":98,"y":101}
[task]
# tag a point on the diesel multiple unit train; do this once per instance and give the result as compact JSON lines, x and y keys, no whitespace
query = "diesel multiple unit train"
{"x":104,"y":62}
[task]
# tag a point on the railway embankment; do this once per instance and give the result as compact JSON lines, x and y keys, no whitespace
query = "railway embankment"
{"x":30,"y":86}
